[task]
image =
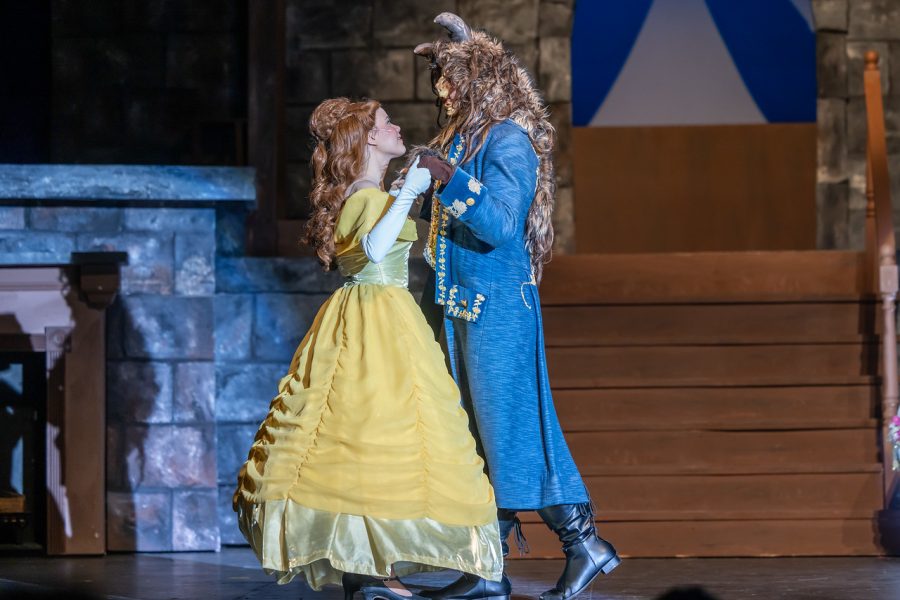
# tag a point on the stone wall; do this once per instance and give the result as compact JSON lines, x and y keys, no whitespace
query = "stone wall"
{"x":364,"y":48}
{"x":846,"y":29}
{"x":147,"y":81}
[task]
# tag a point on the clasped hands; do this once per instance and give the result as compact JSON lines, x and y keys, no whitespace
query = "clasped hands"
{"x":438,"y":171}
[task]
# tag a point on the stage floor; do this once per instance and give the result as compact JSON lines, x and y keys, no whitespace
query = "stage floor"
{"x":234,"y":574}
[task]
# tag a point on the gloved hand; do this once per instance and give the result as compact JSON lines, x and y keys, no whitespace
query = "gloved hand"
{"x":377,"y":242}
{"x":439,"y":168}
{"x":415,"y":183}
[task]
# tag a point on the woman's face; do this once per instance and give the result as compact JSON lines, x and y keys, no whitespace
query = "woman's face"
{"x":385,"y":136}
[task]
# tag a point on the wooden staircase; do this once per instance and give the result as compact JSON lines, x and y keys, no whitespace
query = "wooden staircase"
{"x":720,"y":404}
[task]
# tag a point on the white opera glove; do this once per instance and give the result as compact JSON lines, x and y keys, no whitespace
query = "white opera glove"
{"x":381,"y":238}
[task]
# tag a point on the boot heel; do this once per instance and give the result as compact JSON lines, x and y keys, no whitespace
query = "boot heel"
{"x":610,"y":565}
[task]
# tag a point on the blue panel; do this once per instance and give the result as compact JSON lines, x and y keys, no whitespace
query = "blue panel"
{"x":775,"y":52}
{"x":603,"y":34}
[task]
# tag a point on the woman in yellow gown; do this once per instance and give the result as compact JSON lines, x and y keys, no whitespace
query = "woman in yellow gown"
{"x":365,"y":466}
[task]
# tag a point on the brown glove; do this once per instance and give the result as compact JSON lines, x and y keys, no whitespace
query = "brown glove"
{"x":439,"y":168}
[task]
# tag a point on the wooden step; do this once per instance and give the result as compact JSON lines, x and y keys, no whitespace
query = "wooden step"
{"x":799,"y":322}
{"x":609,"y":516}
{"x":703,"y":277}
{"x":651,"y":470}
{"x":709,"y":449}
{"x":711,"y":494}
{"x":594,"y":410}
{"x":762,"y":537}
{"x":802,"y":363}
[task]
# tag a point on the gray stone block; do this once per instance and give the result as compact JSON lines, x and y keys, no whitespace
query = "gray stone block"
{"x":244,"y":391}
{"x":139,"y":392}
{"x":281,"y":321}
{"x":231,"y":232}
{"x":831,"y":65}
{"x":200,"y":186}
{"x":299,"y":141}
{"x":832,"y":212}
{"x":874,"y":19}
{"x":381,"y":74}
{"x":529,"y":57}
{"x":195,"y":258}
{"x":166,"y":327}
{"x":170,"y":456}
{"x":514,"y":21}
{"x":328,"y":23}
{"x":206,"y":62}
{"x":856,"y":65}
{"x":170,"y":219}
{"x":555,"y":18}
{"x":555,"y":69}
{"x":895,"y":74}
{"x":82,"y":219}
{"x":832,"y":139}
{"x":150,"y":259}
{"x":857,"y":128}
{"x":12,"y":217}
{"x":299,"y":185}
{"x":35,"y":248}
{"x":307,"y":76}
{"x":75,"y":17}
{"x":139,"y":522}
{"x":409,"y":22}
{"x":174,"y":16}
{"x":132,"y":60}
{"x":856,"y":230}
{"x":856,"y":173}
{"x":195,"y":388}
{"x":253,"y":274}
{"x":234,"y":324}
{"x":115,"y":458}
{"x":228,"y":524}
{"x":195,"y":523}
{"x":233,"y":446}
{"x":424,"y":92}
{"x":830,"y":15}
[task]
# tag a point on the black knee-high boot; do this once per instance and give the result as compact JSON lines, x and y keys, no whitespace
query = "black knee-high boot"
{"x":472,"y":587}
{"x":587,"y":555}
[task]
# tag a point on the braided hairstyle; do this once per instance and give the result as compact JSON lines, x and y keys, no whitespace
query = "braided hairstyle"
{"x":339,"y":128}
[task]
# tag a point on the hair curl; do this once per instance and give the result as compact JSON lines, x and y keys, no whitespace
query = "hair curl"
{"x":339,"y":128}
{"x":491,"y":86}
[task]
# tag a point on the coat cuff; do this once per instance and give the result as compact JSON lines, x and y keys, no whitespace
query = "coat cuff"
{"x":462,"y":195}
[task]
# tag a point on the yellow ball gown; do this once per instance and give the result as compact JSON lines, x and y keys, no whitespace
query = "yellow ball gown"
{"x":365,"y":460}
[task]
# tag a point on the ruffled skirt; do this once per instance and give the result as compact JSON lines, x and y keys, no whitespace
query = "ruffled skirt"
{"x":365,"y":460}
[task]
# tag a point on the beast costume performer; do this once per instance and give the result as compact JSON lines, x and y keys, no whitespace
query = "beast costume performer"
{"x":490,"y":236}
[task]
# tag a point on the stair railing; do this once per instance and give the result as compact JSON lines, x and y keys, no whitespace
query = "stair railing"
{"x":882,"y":258}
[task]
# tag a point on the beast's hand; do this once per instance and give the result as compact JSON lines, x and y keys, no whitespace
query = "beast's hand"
{"x":439,"y":168}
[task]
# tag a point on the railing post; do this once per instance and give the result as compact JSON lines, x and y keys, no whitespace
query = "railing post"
{"x":878,"y":189}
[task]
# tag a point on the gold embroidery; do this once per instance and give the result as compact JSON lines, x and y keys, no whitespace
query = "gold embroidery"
{"x":474,"y":186}
{"x":457,"y":208}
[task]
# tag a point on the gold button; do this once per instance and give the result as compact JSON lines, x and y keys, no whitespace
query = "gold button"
{"x":470,"y":201}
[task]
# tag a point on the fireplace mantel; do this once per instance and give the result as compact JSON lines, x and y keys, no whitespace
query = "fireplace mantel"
{"x":60,"y":310}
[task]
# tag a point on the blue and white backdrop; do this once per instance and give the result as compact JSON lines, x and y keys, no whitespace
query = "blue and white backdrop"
{"x":693,"y":62}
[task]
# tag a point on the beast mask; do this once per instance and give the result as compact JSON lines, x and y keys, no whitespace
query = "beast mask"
{"x":479,"y":84}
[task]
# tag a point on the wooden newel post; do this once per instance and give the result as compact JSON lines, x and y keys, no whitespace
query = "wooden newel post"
{"x":878,"y":197}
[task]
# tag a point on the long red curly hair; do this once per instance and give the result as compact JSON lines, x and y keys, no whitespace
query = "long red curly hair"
{"x":339,"y":128}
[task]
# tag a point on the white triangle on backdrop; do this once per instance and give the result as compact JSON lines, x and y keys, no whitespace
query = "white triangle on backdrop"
{"x":679,"y":72}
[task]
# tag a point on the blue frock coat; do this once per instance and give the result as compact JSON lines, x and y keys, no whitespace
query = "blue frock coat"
{"x":492,"y":322}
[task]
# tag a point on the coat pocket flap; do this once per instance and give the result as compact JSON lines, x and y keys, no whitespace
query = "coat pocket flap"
{"x":465,"y":304}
